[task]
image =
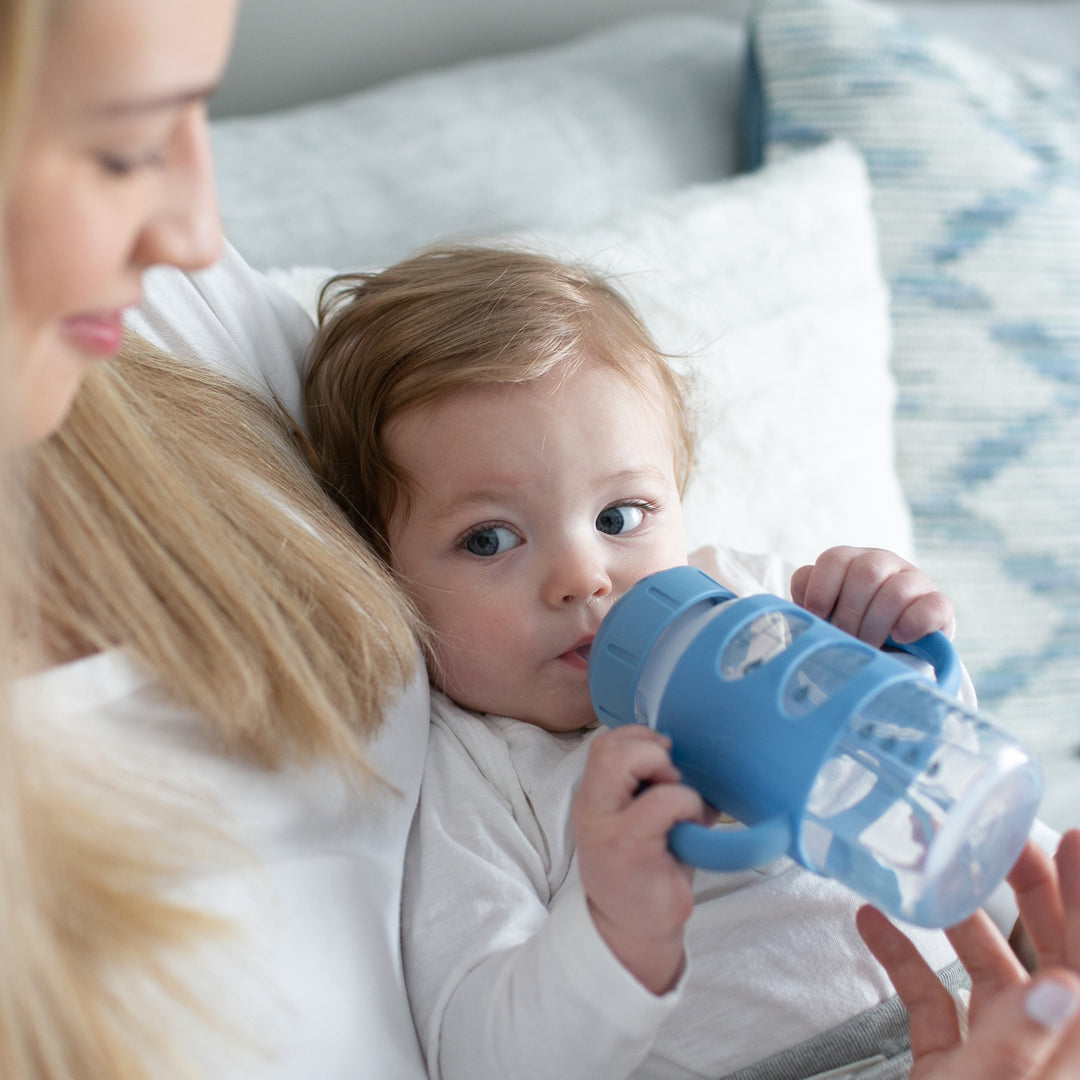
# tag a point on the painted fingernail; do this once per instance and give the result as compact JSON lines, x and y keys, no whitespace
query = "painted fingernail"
{"x":1051,"y":1004}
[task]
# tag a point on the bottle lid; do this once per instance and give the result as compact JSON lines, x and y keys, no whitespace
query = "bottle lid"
{"x":631,"y":629}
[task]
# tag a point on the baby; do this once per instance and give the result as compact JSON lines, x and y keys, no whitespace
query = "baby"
{"x":503,"y":430}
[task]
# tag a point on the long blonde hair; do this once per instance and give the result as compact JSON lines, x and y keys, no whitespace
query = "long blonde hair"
{"x":171,"y":515}
{"x":174,"y":516}
{"x":451,"y":318}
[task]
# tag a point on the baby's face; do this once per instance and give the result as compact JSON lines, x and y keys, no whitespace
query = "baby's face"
{"x":536,"y":507}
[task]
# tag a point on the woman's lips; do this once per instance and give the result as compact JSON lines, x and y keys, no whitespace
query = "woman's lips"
{"x":100,"y":333}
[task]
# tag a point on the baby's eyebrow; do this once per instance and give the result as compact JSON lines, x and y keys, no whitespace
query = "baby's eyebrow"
{"x":467,"y":500}
{"x":638,"y":473}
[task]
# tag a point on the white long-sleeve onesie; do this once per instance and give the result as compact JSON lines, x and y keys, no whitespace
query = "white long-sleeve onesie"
{"x":506,"y":973}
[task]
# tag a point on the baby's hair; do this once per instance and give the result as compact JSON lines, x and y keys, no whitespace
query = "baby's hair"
{"x":447,"y":320}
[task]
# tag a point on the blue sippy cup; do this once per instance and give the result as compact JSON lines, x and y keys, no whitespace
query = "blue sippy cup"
{"x":842,"y":756}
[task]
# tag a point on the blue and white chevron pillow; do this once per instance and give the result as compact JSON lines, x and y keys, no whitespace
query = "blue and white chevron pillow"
{"x":975,"y":169}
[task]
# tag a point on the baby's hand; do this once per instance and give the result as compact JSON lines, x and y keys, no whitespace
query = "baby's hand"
{"x":872,"y":594}
{"x":639,"y":894}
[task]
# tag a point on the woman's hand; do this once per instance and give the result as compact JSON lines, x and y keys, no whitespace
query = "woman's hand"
{"x":872,"y":594}
{"x":639,"y":894}
{"x":1020,"y":1028}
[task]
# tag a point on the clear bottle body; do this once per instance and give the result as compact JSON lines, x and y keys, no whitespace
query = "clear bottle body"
{"x":922,"y":807}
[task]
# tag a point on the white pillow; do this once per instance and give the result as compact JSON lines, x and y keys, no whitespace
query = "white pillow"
{"x":769,"y":286}
{"x":974,"y":161}
{"x":559,"y":135}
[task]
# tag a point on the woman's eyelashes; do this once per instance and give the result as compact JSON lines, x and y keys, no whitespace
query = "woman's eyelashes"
{"x":120,"y":166}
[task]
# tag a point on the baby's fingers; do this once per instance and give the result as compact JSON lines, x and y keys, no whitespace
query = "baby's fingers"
{"x":619,"y":762}
{"x":928,"y":612}
{"x":656,"y":810}
{"x":883,"y":595}
{"x":817,"y":588}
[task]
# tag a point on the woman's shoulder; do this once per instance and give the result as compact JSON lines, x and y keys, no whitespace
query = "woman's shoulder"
{"x":109,"y":703}
{"x":90,"y":684}
{"x":233,"y":318}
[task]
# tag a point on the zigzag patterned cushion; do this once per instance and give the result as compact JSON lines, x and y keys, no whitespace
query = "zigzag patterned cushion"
{"x":975,"y":166}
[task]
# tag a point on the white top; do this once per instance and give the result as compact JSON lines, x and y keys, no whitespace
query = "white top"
{"x":312,"y":976}
{"x":506,"y":972}
{"x":231,"y":318}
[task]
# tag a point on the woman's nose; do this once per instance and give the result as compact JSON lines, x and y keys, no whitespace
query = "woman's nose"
{"x":184,"y":229}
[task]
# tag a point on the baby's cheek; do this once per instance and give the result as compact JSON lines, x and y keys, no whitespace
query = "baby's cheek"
{"x":472,"y":662}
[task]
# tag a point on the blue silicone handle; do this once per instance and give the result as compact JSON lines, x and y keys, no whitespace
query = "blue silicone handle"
{"x":735,"y":849}
{"x":937,"y":650}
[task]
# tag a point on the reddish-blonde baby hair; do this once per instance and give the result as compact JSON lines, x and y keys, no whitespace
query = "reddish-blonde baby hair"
{"x":450,"y":319}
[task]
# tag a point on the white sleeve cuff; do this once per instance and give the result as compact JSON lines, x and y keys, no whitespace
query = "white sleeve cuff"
{"x":598,"y":976}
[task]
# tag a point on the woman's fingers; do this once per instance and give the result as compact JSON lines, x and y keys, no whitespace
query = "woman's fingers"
{"x":1053,"y":1002}
{"x":1034,"y":880}
{"x":1067,"y":863}
{"x":990,"y":962}
{"x":1026,"y":1031}
{"x":1019,"y":1029}
{"x":934,"y":1024}
{"x":1020,"y":1034}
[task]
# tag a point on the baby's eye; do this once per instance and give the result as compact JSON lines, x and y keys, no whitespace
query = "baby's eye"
{"x":616,"y":520}
{"x":493,"y":540}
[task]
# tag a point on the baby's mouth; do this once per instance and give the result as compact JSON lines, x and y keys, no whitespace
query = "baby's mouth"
{"x":583,"y":651}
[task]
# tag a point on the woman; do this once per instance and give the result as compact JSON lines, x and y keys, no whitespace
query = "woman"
{"x":214,"y":718}
{"x":205,"y":877}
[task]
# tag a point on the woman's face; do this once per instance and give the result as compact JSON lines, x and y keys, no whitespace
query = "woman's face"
{"x":114,"y":177}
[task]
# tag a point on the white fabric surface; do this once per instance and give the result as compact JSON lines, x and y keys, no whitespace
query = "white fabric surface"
{"x":506,"y":973}
{"x":312,"y":978}
{"x":1045,"y":30}
{"x":556,"y":136}
{"x":232,"y":318}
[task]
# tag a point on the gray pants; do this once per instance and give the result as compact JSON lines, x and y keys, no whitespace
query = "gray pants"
{"x":878,"y":1036}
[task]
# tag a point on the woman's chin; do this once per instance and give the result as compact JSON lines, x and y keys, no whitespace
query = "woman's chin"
{"x":50,"y":381}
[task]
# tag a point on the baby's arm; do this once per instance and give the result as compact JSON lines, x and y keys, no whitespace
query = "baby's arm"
{"x":639,"y":894}
{"x":506,"y":971}
{"x":873,"y":594}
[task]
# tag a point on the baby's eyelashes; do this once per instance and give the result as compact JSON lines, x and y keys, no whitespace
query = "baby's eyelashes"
{"x":490,"y":540}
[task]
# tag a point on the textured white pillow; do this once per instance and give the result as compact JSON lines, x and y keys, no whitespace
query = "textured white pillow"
{"x":769,"y":286}
{"x":560,"y":135}
{"x":974,"y":161}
